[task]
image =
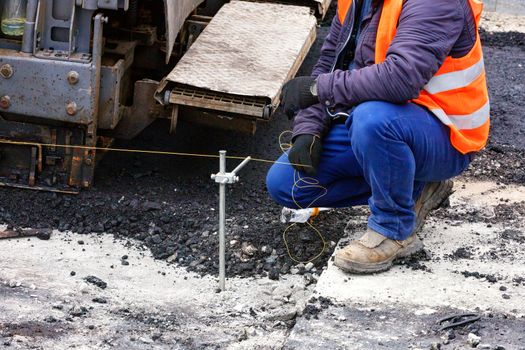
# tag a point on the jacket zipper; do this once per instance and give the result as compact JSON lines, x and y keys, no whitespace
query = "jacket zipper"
{"x":353,"y":33}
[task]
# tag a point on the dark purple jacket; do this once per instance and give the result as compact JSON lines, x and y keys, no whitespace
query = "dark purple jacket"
{"x":428,"y":32}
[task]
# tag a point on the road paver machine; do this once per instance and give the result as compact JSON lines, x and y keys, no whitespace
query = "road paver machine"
{"x":87,"y":72}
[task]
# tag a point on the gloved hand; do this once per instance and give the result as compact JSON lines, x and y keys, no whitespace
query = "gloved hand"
{"x":306,"y":153}
{"x":297,"y":94}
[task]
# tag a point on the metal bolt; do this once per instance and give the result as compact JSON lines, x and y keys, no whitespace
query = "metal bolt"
{"x":72,"y":77}
{"x":5,"y":102}
{"x":6,"y":71}
{"x":71,"y":108}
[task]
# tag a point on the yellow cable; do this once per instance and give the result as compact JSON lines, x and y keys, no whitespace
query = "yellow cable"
{"x":127,"y":150}
{"x":308,"y":182}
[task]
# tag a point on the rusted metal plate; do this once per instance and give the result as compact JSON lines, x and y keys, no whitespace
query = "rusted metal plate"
{"x":248,"y":49}
{"x":176,"y":13}
{"x":39,"y":88}
{"x":38,"y":167}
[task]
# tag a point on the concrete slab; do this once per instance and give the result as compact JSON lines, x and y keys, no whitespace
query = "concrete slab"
{"x":398,"y":327}
{"x":476,"y":265}
{"x":505,"y":6}
{"x":503,"y":22}
{"x":445,"y":285}
{"x":147,"y":304}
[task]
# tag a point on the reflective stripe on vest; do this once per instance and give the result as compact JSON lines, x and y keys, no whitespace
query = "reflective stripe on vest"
{"x":455,"y":80}
{"x":465,"y":122}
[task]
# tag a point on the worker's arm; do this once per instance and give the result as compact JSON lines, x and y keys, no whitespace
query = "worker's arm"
{"x":314,"y":120}
{"x":326,"y":59}
{"x":427,"y":31}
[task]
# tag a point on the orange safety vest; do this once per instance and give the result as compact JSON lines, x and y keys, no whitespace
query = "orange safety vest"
{"x":457,"y":94}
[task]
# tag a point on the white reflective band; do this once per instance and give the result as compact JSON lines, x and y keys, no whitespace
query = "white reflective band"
{"x":467,"y":121}
{"x":454,"y":80}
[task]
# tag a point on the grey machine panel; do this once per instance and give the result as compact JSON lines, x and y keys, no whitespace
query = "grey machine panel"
{"x":42,"y":90}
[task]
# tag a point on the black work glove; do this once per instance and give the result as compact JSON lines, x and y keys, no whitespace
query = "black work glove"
{"x":306,"y":153}
{"x":297,"y":94}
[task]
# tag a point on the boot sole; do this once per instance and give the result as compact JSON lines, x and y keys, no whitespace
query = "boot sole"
{"x":360,"y":268}
{"x":434,"y":201}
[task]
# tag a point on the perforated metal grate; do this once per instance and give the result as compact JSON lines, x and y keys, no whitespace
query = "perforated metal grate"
{"x":207,"y":95}
{"x":202,"y":98}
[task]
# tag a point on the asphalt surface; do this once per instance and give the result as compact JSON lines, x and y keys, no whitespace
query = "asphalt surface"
{"x":169,"y":204}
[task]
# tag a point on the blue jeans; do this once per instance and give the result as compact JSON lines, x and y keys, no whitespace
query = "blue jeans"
{"x":383,"y":156}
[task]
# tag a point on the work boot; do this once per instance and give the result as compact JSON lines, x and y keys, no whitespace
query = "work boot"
{"x":373,"y":252}
{"x":432,"y":196}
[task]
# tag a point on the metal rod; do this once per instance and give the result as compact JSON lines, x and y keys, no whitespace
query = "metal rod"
{"x":222,"y":222}
{"x":29,"y":26}
{"x":240,"y":166}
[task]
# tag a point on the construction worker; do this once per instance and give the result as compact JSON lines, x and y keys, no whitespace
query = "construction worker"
{"x":396,"y":105}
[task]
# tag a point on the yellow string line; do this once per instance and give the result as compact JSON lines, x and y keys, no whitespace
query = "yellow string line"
{"x":128,"y":150}
{"x":309,"y":183}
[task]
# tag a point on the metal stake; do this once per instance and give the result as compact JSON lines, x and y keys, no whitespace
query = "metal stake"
{"x":222,"y":221}
{"x":223,"y":178}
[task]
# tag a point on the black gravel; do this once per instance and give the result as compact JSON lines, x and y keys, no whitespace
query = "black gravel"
{"x":315,"y":306}
{"x":96,"y":281}
{"x":489,"y":277}
{"x":169,"y":204}
{"x":502,"y":39}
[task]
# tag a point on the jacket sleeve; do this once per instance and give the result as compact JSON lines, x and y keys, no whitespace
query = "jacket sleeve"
{"x":425,"y":35}
{"x":314,"y":119}
{"x":327,"y":56}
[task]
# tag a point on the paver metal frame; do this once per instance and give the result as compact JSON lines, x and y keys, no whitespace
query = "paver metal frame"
{"x":241,"y":60}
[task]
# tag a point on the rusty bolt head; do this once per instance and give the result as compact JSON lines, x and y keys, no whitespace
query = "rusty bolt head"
{"x":5,"y":102}
{"x":72,"y":77}
{"x":71,"y":108}
{"x":6,"y":71}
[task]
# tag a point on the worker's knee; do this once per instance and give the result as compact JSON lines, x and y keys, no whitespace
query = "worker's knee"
{"x":278,"y":184}
{"x":370,"y":121}
{"x":288,"y":191}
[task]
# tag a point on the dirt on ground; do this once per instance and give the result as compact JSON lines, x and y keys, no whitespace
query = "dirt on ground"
{"x":170,"y":203}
